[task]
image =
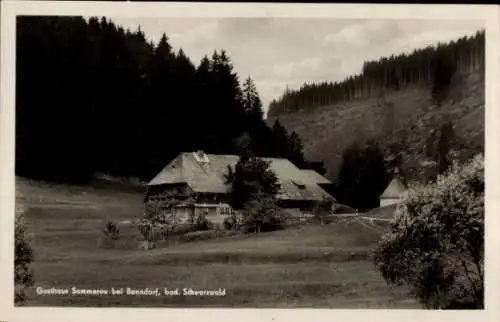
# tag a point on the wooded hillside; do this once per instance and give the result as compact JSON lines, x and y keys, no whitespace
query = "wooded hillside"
{"x":431,"y":66}
{"x":93,"y":97}
{"x":434,"y":89}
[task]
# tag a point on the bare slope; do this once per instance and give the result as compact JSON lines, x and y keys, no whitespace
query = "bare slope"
{"x":312,"y":267}
{"x":326,"y":131}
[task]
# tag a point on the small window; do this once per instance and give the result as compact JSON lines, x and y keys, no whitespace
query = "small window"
{"x":200,"y":156}
{"x":299,"y":184}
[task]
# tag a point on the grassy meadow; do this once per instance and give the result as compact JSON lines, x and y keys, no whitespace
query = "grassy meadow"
{"x":313,"y":266}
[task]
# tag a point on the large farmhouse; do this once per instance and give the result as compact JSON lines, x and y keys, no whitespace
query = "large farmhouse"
{"x":199,"y":179}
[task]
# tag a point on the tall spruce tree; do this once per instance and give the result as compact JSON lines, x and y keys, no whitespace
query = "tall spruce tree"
{"x":296,"y":150}
{"x":251,"y":100}
{"x":262,"y":140}
{"x":280,"y":139}
{"x":251,"y":178}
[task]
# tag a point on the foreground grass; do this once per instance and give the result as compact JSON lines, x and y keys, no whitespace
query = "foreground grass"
{"x":315,"y":266}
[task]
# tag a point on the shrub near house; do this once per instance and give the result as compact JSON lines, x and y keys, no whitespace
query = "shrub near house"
{"x":253,"y":192}
{"x":436,"y":245}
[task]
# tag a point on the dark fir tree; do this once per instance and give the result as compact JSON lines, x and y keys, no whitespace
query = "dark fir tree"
{"x":440,"y":147}
{"x":251,"y":100}
{"x":296,"y":150}
{"x":93,"y":97}
{"x":281,"y":142}
{"x":256,"y":126}
{"x":446,"y":143}
{"x":362,"y":177}
{"x":251,"y":178}
{"x":444,"y":66}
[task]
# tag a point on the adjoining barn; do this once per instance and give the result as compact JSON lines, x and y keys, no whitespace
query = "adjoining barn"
{"x":200,"y":178}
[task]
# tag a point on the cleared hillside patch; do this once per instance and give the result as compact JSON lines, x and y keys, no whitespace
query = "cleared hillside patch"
{"x":327,"y":130}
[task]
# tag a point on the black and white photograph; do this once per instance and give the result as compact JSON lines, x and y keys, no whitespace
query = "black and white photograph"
{"x":259,"y":161}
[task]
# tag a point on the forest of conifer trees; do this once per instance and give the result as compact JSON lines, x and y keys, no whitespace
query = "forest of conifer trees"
{"x":93,"y":97}
{"x":428,"y":66}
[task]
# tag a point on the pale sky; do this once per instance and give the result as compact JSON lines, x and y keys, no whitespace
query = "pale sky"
{"x":281,"y":52}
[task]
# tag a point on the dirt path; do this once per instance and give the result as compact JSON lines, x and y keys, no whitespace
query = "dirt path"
{"x":375,"y":219}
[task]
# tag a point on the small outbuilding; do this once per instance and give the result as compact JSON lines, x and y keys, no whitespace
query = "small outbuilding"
{"x":394,"y":193}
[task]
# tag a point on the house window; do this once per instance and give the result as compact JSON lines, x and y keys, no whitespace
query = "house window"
{"x":225,"y":210}
{"x":203,"y":210}
{"x":299,"y":184}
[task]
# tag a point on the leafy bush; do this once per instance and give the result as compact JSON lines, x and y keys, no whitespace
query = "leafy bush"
{"x":200,"y":222}
{"x":154,"y":224}
{"x":322,"y":209}
{"x":204,"y":225}
{"x":23,"y":258}
{"x":233,"y":222}
{"x":153,"y":211}
{"x":261,"y":214}
{"x":144,"y":227}
{"x":436,"y":244}
{"x":111,"y":231}
{"x":154,"y":232}
{"x":160,"y":225}
{"x":230,"y":222}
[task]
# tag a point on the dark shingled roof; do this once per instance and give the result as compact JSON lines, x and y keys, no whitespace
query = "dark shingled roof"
{"x":208,"y":177}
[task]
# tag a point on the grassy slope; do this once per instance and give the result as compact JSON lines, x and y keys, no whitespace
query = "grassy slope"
{"x":326,"y":129}
{"x":312,"y":267}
